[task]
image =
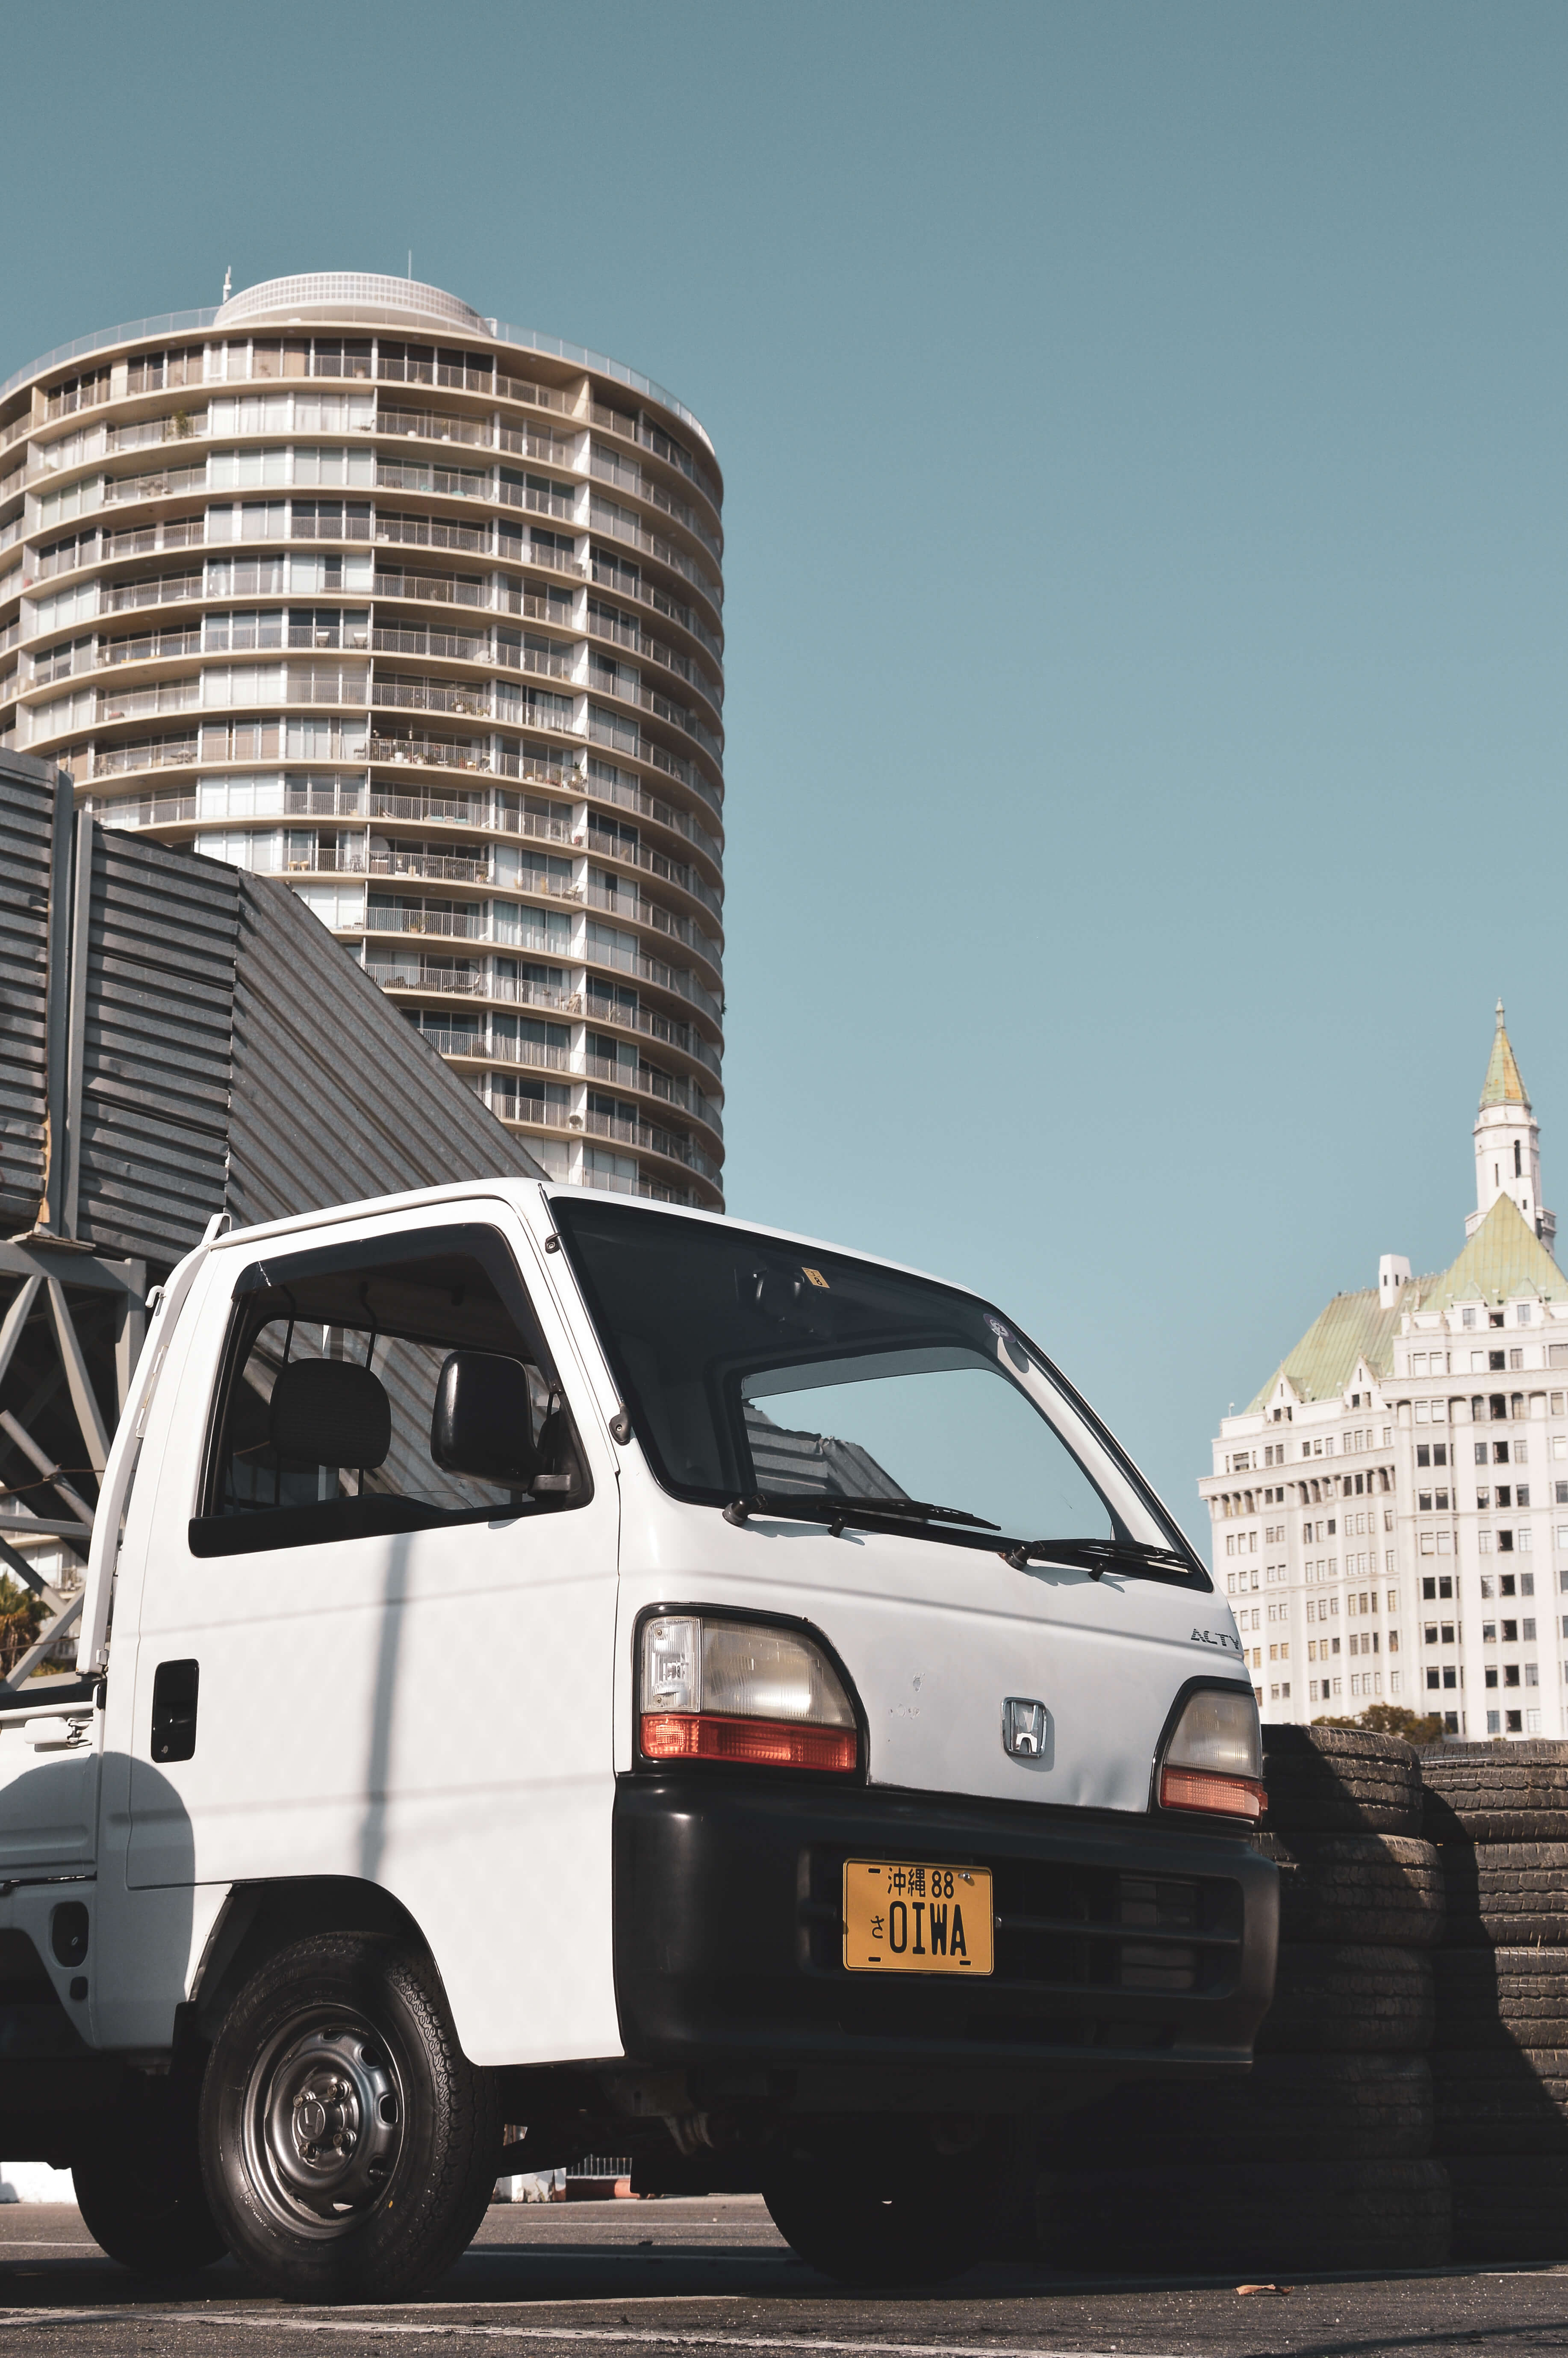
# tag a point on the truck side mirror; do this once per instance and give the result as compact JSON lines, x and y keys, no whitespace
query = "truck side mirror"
{"x":482,"y":1422}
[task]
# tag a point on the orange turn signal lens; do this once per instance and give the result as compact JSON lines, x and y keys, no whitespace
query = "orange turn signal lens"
{"x":1202,"y":1788}
{"x":755,"y":1743}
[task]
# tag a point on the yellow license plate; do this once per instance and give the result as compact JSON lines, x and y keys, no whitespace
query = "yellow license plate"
{"x":916,"y":1918}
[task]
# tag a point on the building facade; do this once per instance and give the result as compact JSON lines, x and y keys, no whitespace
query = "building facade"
{"x":1390,"y":1512}
{"x":343,"y":581}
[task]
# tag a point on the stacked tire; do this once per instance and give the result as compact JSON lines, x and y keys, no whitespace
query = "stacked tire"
{"x":1499,"y":1813}
{"x":1322,"y":2158}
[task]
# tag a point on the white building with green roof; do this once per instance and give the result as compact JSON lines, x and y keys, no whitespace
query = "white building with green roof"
{"x":1390,"y":1510}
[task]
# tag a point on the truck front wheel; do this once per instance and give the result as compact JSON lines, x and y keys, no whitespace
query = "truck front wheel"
{"x":139,"y":2189}
{"x":347,"y":2145}
{"x":884,"y":2203}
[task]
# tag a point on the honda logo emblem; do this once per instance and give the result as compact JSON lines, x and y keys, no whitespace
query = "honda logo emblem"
{"x":1023,"y":1728}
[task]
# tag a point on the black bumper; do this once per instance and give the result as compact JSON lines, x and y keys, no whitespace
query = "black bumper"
{"x":1122,"y":1947}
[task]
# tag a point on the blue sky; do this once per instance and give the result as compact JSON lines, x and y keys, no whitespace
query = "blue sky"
{"x":1143,"y":435}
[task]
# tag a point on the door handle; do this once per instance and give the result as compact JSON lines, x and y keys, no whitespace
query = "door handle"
{"x":174,"y":1709}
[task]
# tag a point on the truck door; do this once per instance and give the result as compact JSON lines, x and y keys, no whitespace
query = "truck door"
{"x":382,"y":1645}
{"x":48,"y":1784}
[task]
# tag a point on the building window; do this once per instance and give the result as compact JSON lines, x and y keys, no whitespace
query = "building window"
{"x":1493,"y":1723}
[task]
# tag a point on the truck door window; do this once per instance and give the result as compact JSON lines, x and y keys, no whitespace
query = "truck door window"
{"x":325,"y":1426}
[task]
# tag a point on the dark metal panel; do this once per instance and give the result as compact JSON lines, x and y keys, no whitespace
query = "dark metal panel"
{"x":336,"y":1096}
{"x":152,"y":1150}
{"x":27,"y":804}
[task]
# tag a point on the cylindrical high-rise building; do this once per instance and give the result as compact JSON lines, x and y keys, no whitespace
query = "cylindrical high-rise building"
{"x":344,"y":581}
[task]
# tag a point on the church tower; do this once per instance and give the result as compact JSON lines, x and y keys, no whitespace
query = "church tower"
{"x":1507,"y":1143}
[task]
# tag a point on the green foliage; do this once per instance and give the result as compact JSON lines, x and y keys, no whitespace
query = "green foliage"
{"x":1417,"y":1727}
{"x":21,"y":1619}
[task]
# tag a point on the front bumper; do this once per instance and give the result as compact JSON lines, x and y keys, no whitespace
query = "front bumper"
{"x":1123,"y":1947}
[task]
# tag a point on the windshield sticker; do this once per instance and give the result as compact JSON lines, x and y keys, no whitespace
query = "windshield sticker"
{"x":996,"y":1327}
{"x":815,"y":1277}
{"x":1223,"y":1638}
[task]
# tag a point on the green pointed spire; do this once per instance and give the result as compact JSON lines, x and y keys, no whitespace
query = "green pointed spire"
{"x":1502,"y":1085}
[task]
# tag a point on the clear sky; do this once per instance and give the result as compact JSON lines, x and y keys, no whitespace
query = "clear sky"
{"x":1144,"y":432}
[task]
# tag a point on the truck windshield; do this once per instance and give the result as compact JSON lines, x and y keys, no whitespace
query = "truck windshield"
{"x":760,"y":1377}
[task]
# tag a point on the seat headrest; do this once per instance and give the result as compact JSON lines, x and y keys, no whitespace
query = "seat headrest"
{"x":331,"y":1413}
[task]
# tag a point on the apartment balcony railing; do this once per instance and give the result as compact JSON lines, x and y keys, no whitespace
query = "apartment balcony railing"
{"x":620,"y":525}
{"x":682,"y":1095}
{"x":549,"y":504}
{"x":535,"y":604}
{"x":432,"y":426}
{"x":449,"y":924}
{"x":652,"y":1140}
{"x":86,"y":392}
{"x":610,"y":1183}
{"x":647,"y":593}
{"x":166,"y":484}
{"x":461,"y":647}
{"x":475,"y":753}
{"x":181,"y":428}
{"x":434,"y":753}
{"x":676,"y":979}
{"x":637,"y":430}
{"x":531,"y":442}
{"x":141,"y":703}
{"x":471,"y":982}
{"x":654,"y":807}
{"x":157,"y":754}
{"x":432,"y":532}
{"x":632,"y":636}
{"x":164,"y":590}
{"x":555,"y":664}
{"x":11,"y":636}
{"x":555,"y":560}
{"x":440,"y":588}
{"x":463,"y":981}
{"x":431,"y":696}
{"x":634,"y":908}
{"x":17,"y":430}
{"x":437,"y":866}
{"x":150,"y":646}
{"x":611,"y":846}
{"x":497,"y":1051}
{"x":608,"y":467}
{"x":450,"y":483}
{"x":522,"y":388}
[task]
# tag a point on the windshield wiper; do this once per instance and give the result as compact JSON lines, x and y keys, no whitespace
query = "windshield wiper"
{"x":837,"y":1512}
{"x":1094,"y":1556}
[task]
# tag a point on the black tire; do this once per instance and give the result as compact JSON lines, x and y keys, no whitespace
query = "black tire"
{"x":1262,"y":2219}
{"x":1348,"y":2001}
{"x":1508,"y":2209}
{"x":1331,"y":1781}
{"x":1364,"y":1890}
{"x":885,"y":2204}
{"x":1515,"y":2102}
{"x":1289,"y":2108}
{"x":347,"y":2145}
{"x":139,"y":2189}
{"x":1507,"y":1895}
{"x":1496,"y":1792}
{"x":1501,"y":1998}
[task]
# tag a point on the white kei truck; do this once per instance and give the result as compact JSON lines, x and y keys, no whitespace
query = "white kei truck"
{"x":560,"y":1674}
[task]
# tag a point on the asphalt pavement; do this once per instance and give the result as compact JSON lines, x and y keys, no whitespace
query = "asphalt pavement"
{"x":566,"y":2280}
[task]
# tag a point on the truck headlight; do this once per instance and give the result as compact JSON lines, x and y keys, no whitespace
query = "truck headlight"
{"x":741,"y":1692}
{"x":1214,"y":1761}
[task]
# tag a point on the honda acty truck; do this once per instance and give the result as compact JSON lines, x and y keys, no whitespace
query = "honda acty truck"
{"x":560,"y":1675}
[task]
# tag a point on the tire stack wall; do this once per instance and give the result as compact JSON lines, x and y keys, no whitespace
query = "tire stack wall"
{"x":1499,"y":1813}
{"x":1322,"y":2158}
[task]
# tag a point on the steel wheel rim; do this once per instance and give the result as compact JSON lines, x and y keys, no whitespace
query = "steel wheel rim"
{"x":324,"y":2122}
